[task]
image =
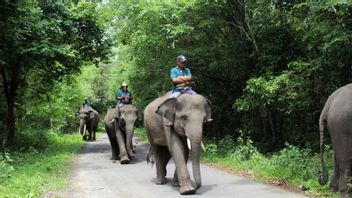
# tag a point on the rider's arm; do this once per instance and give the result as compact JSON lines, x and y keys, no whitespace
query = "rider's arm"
{"x":119,"y":95}
{"x":181,"y":79}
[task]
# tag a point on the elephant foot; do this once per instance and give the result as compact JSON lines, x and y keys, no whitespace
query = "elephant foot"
{"x":114,"y":158}
{"x":124,"y":160}
{"x":187,"y":190}
{"x":131,"y":156}
{"x":175,"y":182}
{"x":160,"y":181}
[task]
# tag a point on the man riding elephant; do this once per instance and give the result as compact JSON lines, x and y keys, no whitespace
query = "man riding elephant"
{"x":174,"y":121}
{"x":123,"y":96}
{"x":88,"y":121}
{"x":187,"y":113}
{"x":119,"y":124}
{"x":181,"y":78}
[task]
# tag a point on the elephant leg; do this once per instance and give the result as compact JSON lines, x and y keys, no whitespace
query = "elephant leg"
{"x":334,"y":185}
{"x":175,"y":181}
{"x":124,"y":159}
{"x":114,"y":147}
{"x":89,"y":135}
{"x":94,"y":135}
{"x":162,"y":157}
{"x":178,"y":153}
{"x":345,"y":175}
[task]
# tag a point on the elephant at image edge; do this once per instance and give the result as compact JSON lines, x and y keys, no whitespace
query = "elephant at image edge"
{"x":188,"y":113}
{"x":88,"y":122}
{"x":337,"y":113}
{"x":119,"y":124}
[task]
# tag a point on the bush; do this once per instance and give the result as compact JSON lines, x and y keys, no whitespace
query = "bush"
{"x":292,"y":162}
{"x":5,"y":168}
{"x":244,"y":149}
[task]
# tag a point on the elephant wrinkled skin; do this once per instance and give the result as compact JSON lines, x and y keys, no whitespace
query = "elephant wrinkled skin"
{"x":88,"y":123}
{"x":337,"y":113}
{"x":188,"y":113}
{"x":119,"y":124}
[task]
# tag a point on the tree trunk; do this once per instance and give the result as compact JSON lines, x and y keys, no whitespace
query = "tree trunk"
{"x":10,"y":125}
{"x":50,"y":112}
{"x":10,"y":90}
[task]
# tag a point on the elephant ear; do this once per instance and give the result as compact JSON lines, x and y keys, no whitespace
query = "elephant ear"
{"x":167,"y":109}
{"x":208,"y":106}
{"x":117,"y":113}
{"x":139,"y":114}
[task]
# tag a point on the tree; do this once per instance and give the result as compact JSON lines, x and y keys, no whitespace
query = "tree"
{"x":46,"y":38}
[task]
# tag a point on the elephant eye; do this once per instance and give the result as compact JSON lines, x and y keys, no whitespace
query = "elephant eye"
{"x":184,"y":117}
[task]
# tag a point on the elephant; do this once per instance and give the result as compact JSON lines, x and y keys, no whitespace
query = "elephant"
{"x":88,"y":122}
{"x":119,"y":124}
{"x":337,"y":113}
{"x":187,"y":113}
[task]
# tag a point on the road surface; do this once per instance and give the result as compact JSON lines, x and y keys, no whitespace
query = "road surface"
{"x":95,"y":175}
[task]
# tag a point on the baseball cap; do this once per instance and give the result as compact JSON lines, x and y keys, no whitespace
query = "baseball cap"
{"x":181,"y":58}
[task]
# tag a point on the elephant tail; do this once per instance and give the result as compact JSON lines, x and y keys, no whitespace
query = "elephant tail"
{"x":323,"y":178}
{"x":150,"y":157}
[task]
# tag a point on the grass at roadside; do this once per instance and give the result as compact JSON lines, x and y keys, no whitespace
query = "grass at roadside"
{"x":293,"y":168}
{"x":140,"y":132}
{"x":31,"y":172}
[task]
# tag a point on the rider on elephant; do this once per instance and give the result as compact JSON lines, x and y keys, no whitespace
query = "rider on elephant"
{"x":85,"y":104}
{"x":123,"y":96}
{"x":181,"y":78}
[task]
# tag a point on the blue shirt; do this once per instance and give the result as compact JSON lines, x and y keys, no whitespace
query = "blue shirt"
{"x":122,"y":93}
{"x":176,"y":72}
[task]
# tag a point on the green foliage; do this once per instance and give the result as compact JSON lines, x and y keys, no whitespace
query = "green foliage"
{"x":31,"y":172}
{"x":5,"y":165}
{"x":292,"y":166}
{"x":45,"y":43}
{"x":140,"y":132}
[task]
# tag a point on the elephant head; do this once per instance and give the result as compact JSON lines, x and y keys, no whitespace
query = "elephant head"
{"x":84,"y":115}
{"x":188,"y":113}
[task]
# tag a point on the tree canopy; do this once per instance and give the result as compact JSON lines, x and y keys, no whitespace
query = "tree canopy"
{"x":267,"y":66}
{"x":45,"y":41}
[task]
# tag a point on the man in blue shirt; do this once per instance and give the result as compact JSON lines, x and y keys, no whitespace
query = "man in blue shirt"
{"x":85,"y":104}
{"x":123,"y":96}
{"x":181,"y":78}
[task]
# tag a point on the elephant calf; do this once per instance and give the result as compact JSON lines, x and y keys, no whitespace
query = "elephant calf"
{"x":88,"y":123}
{"x":188,"y":113}
{"x":337,"y":113}
{"x":119,"y":125}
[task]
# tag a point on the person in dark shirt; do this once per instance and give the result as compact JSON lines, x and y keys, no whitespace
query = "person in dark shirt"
{"x":123,"y":96}
{"x":86,"y":104}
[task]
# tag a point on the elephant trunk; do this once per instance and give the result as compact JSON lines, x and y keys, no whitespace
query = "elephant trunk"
{"x":196,"y":149}
{"x":81,"y":126}
{"x":129,"y":136}
{"x":84,"y":130}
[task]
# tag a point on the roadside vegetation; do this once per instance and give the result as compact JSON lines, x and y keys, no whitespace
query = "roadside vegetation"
{"x":28,"y":171}
{"x":293,"y":168}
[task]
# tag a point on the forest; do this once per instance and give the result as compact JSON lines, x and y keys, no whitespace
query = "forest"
{"x":268,"y":67}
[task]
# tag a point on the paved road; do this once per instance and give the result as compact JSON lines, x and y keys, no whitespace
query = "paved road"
{"x":94,"y":175}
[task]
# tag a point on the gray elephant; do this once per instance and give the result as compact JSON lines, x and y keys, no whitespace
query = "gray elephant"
{"x":119,"y":124}
{"x":337,"y":113}
{"x":187,"y":113}
{"x":88,"y":123}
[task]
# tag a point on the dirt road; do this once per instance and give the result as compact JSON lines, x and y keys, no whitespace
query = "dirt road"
{"x":94,"y":175}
